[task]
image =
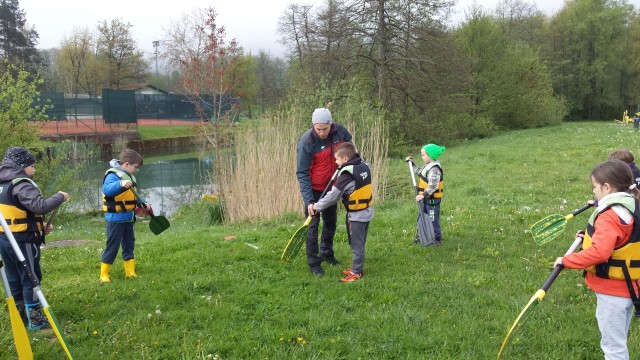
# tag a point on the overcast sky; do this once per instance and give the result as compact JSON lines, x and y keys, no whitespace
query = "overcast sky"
{"x":252,"y":22}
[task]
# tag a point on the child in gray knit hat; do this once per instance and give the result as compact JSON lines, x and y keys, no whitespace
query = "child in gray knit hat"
{"x":23,"y":207}
{"x":20,"y":156}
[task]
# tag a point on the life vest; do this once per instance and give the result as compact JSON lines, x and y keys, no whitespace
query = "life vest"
{"x":125,"y":200}
{"x":19,"y":219}
{"x":362,"y":197}
{"x":626,"y":258}
{"x":423,"y":182}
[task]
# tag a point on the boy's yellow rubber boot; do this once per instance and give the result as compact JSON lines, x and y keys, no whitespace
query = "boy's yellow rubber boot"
{"x":104,"y":273}
{"x":130,"y":268}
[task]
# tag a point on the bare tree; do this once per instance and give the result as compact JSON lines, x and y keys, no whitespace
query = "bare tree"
{"x":73,"y":56}
{"x":209,"y":78}
{"x":185,"y":39}
{"x":294,"y":26}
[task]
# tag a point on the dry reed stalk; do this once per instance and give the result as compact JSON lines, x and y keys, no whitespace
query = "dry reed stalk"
{"x":261,"y":182}
{"x":119,"y":144}
{"x":372,"y":141}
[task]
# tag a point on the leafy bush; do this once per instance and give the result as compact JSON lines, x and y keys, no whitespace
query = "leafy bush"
{"x":202,"y":212}
{"x":463,"y":127}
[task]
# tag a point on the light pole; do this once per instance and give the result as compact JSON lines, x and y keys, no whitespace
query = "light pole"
{"x":155,"y":45}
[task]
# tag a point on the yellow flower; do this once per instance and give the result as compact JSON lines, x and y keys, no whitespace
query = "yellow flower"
{"x":95,"y":332}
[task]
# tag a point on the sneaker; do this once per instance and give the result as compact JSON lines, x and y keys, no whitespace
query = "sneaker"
{"x":351,"y":277}
{"x":348,"y":271}
{"x":317,"y":270}
{"x":437,"y":243}
{"x":333,"y":261}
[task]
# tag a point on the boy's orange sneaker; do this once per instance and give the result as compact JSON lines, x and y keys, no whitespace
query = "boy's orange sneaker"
{"x":351,"y":277}
{"x":348,"y":271}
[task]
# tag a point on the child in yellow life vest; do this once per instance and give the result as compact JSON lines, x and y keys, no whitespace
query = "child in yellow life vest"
{"x":611,"y":246}
{"x":22,"y":205}
{"x":353,"y":185}
{"x":430,"y":185}
{"x":119,"y":203}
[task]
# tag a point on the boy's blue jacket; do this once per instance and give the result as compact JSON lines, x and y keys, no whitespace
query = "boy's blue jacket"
{"x":111,"y":187}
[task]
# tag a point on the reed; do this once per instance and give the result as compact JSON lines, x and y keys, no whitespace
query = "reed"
{"x":260,"y":181}
{"x":371,"y":137}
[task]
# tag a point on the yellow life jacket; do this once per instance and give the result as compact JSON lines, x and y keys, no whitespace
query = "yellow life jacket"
{"x":124,"y":201}
{"x":19,"y":219}
{"x":423,"y":181}
{"x":362,"y":197}
{"x":626,"y":258}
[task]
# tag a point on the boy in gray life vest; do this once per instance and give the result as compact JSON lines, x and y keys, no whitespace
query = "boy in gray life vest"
{"x":22,"y":205}
{"x":354,"y":187}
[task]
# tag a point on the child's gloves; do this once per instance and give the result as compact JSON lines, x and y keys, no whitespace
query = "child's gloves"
{"x":141,"y":211}
{"x":408,"y":159}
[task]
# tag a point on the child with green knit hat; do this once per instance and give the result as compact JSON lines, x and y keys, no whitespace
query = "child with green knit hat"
{"x":430,"y":185}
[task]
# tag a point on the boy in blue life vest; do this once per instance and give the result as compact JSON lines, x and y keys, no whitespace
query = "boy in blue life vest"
{"x":22,"y":205}
{"x":430,"y":185}
{"x":119,"y":203}
{"x":354,"y":187}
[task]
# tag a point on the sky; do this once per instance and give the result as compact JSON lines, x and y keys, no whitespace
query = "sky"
{"x":252,"y":22}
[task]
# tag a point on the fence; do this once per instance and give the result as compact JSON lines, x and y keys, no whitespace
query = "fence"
{"x":126,"y":106}
{"x":178,"y":106}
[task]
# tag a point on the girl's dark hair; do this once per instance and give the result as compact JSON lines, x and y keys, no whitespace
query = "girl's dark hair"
{"x":617,"y":174}
{"x":131,"y":156}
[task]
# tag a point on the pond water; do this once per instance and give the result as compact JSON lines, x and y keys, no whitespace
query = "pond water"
{"x":165,"y":184}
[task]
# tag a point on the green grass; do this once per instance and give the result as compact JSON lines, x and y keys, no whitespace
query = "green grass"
{"x":199,"y":296}
{"x":164,"y":132}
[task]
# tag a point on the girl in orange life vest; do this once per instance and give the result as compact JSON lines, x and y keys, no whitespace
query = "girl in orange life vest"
{"x":610,"y":241}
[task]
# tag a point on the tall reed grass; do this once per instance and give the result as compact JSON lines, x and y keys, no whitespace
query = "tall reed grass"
{"x":260,"y":180}
{"x":371,"y":137}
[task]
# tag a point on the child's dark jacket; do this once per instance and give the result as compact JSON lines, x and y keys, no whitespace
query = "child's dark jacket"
{"x":345,"y":185}
{"x":28,"y":196}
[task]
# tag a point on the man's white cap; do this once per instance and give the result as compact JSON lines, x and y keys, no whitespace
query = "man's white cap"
{"x":321,"y":116}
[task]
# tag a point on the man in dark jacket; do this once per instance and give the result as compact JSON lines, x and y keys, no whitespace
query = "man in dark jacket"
{"x":315,"y":166}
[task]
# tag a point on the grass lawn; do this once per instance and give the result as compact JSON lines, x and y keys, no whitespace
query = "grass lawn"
{"x":164,"y":132}
{"x":199,"y":296}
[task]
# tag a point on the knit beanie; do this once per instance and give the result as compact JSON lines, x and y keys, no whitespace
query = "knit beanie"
{"x":434,"y":151}
{"x":20,"y":156}
{"x":321,"y":116}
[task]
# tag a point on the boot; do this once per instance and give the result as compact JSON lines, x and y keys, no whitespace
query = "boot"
{"x":22,"y":312}
{"x":104,"y":273}
{"x":130,"y":268}
{"x":36,"y":318}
